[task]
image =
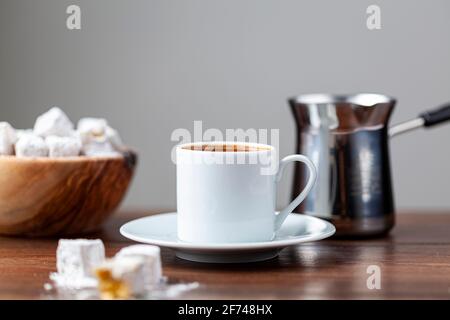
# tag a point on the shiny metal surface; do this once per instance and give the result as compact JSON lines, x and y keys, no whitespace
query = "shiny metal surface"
{"x":406,"y":126}
{"x":346,"y":137}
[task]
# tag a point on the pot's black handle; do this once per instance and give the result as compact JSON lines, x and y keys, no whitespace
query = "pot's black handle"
{"x":425,"y":119}
{"x":436,"y":116}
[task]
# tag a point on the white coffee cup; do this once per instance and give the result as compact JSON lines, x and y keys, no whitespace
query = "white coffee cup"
{"x":227,"y":196}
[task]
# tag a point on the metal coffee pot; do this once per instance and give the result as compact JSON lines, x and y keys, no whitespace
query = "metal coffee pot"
{"x":347,"y":138}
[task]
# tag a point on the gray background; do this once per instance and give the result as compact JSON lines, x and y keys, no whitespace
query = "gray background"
{"x":153,"y":66}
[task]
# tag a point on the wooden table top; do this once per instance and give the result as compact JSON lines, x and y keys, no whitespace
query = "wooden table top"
{"x":414,"y":262}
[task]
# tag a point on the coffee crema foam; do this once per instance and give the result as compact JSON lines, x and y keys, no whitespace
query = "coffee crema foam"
{"x":225,"y":148}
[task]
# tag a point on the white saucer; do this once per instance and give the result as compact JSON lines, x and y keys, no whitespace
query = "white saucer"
{"x":161,"y":230}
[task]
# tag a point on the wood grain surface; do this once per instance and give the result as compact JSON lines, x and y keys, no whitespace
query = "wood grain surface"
{"x":414,"y":262}
{"x":60,"y":196}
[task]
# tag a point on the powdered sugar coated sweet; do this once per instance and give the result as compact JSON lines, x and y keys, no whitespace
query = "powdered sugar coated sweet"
{"x":54,"y":122}
{"x":8,"y":138}
{"x":30,"y":145}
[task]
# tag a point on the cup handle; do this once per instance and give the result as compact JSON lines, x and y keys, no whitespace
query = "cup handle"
{"x":282,"y":215}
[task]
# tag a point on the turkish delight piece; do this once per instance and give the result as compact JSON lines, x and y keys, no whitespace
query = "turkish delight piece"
{"x":114,"y":138}
{"x":53,"y":123}
{"x":76,"y":259}
{"x":8,"y":138}
{"x":63,"y":146}
{"x":152,"y":261}
{"x":30,"y":145}
{"x":97,"y":137}
{"x":121,"y":277}
{"x":99,"y":148}
{"x":92,"y":127}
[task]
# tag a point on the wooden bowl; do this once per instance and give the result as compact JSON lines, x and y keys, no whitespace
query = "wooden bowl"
{"x":61,"y":196}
